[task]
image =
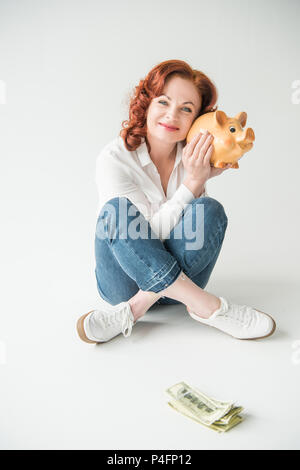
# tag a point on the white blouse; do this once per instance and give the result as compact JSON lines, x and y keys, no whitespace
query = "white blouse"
{"x":120,"y":172}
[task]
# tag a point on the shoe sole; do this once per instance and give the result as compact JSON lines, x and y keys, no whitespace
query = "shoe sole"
{"x":256,"y":337}
{"x":80,"y":329}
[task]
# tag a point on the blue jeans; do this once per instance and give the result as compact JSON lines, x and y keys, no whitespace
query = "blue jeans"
{"x":125,"y":264}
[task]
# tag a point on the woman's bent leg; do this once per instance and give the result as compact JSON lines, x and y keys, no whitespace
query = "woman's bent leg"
{"x":128,"y":259}
{"x":113,"y":284}
{"x":197,"y":239}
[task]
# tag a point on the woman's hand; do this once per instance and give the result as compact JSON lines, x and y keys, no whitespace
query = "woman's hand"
{"x":196,"y":159}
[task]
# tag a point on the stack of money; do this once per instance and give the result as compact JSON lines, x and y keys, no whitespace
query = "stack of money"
{"x":218,"y":415}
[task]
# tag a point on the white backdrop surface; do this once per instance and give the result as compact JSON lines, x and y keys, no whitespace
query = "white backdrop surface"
{"x":66,"y":71}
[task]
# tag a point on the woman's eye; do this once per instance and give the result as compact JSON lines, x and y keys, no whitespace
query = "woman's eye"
{"x":182,"y":108}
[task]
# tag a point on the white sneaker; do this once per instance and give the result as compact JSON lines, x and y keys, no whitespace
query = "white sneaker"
{"x":239,"y":321}
{"x":99,"y":326}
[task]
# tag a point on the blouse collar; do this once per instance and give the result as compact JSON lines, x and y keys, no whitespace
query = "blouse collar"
{"x":145,"y":159}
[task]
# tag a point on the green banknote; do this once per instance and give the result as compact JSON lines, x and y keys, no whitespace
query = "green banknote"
{"x":191,"y":402}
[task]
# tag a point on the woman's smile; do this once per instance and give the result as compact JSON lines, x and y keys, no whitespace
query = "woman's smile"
{"x":171,"y":129}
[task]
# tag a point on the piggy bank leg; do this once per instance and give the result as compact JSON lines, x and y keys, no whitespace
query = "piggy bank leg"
{"x":220,"y":164}
{"x":235,"y":165}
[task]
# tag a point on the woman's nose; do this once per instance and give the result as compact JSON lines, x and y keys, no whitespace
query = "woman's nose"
{"x":172,"y":113}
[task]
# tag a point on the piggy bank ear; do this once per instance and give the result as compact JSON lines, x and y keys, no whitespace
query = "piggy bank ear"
{"x":242,"y":118}
{"x":221,"y":118}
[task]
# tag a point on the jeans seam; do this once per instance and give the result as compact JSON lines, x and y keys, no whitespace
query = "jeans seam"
{"x":164,"y":275}
{"x":149,"y":267}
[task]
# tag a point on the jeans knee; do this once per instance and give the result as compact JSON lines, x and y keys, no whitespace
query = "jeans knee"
{"x":108,"y":218}
{"x":113,"y":207}
{"x":214,"y":209}
{"x":115,"y":219}
{"x":115,"y":202}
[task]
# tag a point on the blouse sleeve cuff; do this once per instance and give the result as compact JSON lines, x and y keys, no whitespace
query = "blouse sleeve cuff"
{"x":183,"y":195}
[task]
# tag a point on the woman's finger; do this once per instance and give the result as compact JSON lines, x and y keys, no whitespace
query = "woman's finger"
{"x":192,"y":144}
{"x":199,"y":147}
{"x":208,"y":155}
{"x":206,"y":145}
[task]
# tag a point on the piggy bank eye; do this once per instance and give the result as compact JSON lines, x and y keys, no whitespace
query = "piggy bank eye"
{"x":232,"y":129}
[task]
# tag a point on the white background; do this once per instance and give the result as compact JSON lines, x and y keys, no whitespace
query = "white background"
{"x":67,"y":69}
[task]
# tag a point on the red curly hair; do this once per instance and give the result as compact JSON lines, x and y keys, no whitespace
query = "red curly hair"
{"x":135,"y":129}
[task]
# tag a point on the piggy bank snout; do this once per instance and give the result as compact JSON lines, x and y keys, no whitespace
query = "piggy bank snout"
{"x":247,"y":136}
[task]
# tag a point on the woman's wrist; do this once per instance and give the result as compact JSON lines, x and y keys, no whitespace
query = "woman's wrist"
{"x":195,"y":186}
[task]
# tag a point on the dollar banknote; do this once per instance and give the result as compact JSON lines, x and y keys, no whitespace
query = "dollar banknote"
{"x":191,"y":402}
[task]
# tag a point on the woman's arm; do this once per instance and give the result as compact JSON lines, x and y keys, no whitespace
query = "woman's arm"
{"x":114,"y":180}
{"x":198,"y":189}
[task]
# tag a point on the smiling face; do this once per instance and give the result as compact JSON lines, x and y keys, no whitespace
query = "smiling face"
{"x":178,"y":106}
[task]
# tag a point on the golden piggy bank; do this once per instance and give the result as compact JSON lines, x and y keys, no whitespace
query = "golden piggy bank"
{"x":230,"y":142}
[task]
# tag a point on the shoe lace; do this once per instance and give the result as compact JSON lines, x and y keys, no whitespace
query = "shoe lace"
{"x":123,"y":315}
{"x":241,"y":314}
